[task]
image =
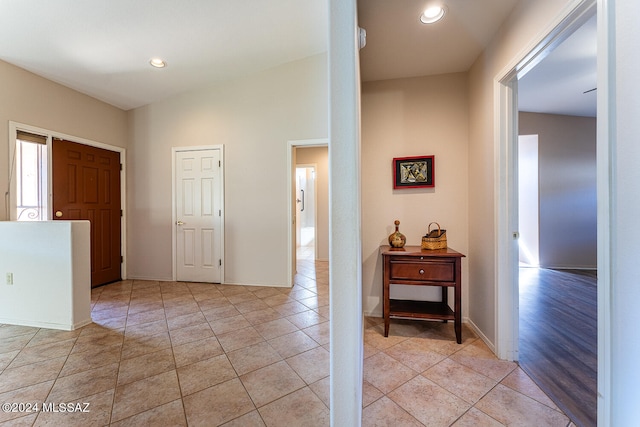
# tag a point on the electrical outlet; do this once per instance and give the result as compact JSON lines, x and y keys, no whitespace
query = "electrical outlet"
{"x":9,"y":278}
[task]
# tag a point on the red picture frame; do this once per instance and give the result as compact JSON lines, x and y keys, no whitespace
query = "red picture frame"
{"x":413,"y":172}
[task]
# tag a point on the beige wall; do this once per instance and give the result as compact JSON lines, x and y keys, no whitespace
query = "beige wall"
{"x":567,"y":188}
{"x":412,"y":117}
{"x":254,"y":117}
{"x":320,"y":157}
{"x":527,"y":23}
{"x":32,"y":100}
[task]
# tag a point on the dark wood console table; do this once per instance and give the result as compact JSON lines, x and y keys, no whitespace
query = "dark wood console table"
{"x":412,"y":265}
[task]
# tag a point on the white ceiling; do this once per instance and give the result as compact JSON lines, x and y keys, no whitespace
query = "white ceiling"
{"x":102,"y":48}
{"x":557,"y":85}
{"x":399,"y":45}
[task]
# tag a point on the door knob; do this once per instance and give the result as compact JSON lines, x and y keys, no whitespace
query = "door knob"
{"x":179,"y":223}
{"x":58,"y":214}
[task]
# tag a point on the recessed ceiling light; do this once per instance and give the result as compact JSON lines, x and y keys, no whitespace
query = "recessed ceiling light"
{"x":158,"y":63}
{"x":433,"y":14}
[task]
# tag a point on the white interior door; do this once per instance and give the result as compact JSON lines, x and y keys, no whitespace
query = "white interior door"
{"x":198,"y":223}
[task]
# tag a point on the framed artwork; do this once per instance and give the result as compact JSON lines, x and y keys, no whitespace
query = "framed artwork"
{"x":413,"y":172}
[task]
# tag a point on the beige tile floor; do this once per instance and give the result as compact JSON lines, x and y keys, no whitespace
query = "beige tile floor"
{"x":176,"y":354}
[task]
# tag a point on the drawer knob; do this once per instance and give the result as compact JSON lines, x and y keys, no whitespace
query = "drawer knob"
{"x":421,"y":271}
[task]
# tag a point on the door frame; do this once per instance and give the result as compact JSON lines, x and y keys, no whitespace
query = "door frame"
{"x":174,"y":213}
{"x":505,"y":95}
{"x":291,"y":206}
{"x":506,"y":172}
{"x":13,"y":134}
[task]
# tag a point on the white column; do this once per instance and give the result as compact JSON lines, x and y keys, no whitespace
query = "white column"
{"x":345,"y":257}
{"x":619,"y":204}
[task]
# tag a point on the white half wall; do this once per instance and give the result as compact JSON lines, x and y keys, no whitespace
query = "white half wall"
{"x":50,"y":273}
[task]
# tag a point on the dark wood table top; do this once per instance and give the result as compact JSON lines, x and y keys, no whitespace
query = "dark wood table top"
{"x":418,"y":251}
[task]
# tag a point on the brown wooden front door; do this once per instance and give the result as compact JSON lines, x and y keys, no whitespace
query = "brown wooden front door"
{"x":86,"y":185}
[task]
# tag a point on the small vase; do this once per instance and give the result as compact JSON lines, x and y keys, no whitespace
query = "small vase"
{"x":397,"y":239}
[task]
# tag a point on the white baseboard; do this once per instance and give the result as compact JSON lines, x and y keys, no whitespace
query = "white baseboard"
{"x":46,"y":325}
{"x":480,"y":334}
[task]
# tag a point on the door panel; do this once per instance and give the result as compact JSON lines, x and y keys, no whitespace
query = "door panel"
{"x":198,"y":214}
{"x":86,"y":186}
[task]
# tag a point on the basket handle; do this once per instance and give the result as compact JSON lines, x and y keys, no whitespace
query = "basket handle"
{"x":429,"y":230}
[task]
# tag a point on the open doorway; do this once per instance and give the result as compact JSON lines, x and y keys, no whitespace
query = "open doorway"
{"x":558,"y":296}
{"x":309,"y":204}
{"x":557,"y":222}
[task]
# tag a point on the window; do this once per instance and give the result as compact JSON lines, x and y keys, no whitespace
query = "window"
{"x":31,"y":177}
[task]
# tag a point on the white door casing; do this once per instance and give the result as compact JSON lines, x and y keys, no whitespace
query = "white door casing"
{"x":197,"y":222}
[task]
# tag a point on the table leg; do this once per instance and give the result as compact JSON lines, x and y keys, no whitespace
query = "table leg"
{"x":457,"y":306}
{"x":445,"y":299}
{"x":386,"y":305}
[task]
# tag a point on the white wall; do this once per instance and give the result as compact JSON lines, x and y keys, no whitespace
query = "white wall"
{"x":320,"y":157}
{"x":254,"y":117}
{"x":51,"y":269}
{"x":413,"y":117}
{"x":567,"y":184}
{"x":33,"y":100}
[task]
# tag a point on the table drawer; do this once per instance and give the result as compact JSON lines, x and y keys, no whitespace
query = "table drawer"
{"x":436,"y":271}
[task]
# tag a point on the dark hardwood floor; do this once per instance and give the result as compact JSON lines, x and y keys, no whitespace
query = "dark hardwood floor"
{"x":558,"y":338}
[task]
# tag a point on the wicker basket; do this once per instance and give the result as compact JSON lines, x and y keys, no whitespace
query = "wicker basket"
{"x":435,"y":239}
